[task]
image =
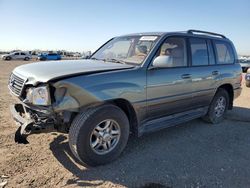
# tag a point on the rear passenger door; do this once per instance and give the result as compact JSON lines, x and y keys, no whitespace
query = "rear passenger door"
{"x":22,"y":56}
{"x":203,"y":70}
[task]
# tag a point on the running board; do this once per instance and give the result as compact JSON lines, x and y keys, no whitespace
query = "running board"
{"x":171,"y":120}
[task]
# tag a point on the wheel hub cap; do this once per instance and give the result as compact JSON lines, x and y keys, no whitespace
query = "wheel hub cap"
{"x":220,"y":106}
{"x":105,"y":136}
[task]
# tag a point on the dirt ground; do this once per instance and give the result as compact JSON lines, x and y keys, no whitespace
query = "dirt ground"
{"x":194,"y":155}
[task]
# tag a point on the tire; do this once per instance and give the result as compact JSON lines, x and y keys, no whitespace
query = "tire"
{"x":81,"y":134}
{"x":213,"y":116}
{"x":26,"y":59}
{"x":8,"y":58}
{"x":247,"y":83}
{"x":244,"y":70}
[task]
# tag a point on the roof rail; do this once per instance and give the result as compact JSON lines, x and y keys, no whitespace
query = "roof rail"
{"x":192,"y":31}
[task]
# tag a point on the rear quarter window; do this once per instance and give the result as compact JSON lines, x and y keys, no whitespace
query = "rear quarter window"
{"x":224,"y":53}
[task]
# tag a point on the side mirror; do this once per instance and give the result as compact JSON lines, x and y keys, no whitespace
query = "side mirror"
{"x":162,"y":62}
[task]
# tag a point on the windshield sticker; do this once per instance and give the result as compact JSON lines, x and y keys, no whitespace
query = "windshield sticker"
{"x":148,"y":38}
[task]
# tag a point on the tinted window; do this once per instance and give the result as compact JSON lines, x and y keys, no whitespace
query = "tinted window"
{"x":22,"y":53}
{"x":52,"y":54}
{"x":175,"y":49}
{"x":199,"y":52}
{"x":224,"y":53}
{"x":17,"y":53}
{"x":210,"y":53}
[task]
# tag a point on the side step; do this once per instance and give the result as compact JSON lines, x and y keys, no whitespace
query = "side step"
{"x":172,"y":120}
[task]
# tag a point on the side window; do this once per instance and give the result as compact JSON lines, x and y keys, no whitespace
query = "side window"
{"x":22,"y":53}
{"x":199,"y":51}
{"x":175,"y":49}
{"x":224,"y":53}
{"x":17,"y":53}
{"x":210,"y":53}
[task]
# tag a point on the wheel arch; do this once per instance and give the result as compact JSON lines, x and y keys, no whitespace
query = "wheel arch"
{"x":229,"y":89}
{"x":129,"y":110}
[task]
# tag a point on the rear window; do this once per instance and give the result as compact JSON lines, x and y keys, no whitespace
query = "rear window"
{"x":199,"y":52}
{"x":224,"y":53}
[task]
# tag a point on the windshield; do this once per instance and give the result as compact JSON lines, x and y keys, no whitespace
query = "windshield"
{"x":129,"y":49}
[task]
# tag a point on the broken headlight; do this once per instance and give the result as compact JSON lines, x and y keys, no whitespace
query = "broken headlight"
{"x":39,"y":96}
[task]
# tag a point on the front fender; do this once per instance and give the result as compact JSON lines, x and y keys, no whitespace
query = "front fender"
{"x":86,"y":90}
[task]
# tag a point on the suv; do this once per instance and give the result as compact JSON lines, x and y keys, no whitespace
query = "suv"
{"x":245,"y":64}
{"x":136,"y":84}
{"x":17,"y":55}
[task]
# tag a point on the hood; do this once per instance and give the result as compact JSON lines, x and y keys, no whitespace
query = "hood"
{"x":42,"y":72}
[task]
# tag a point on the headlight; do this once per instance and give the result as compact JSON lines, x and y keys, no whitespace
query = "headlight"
{"x":39,"y":96}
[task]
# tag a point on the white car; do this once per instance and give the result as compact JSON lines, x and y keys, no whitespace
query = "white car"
{"x":17,"y":55}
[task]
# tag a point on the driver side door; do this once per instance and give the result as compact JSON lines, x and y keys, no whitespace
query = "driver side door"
{"x":169,"y":89}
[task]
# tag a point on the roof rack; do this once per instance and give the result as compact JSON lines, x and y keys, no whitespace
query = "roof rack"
{"x":192,"y":31}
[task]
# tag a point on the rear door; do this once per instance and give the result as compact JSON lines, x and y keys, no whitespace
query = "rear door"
{"x":204,"y":71}
{"x":169,"y":90}
{"x":22,"y":55}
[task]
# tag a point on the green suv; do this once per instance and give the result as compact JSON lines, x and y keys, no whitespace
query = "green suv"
{"x":133,"y":84}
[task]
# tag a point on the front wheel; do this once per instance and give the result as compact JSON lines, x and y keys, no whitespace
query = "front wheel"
{"x":8,"y":58}
{"x":218,"y":107}
{"x":26,"y":59}
{"x":98,"y":135}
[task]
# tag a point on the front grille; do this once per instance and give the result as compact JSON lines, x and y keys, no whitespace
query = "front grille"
{"x":16,"y":84}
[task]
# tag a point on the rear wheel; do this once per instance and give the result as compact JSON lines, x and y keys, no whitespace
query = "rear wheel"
{"x":97,"y":136}
{"x":245,"y":69}
{"x":218,"y":107}
{"x":26,"y":59}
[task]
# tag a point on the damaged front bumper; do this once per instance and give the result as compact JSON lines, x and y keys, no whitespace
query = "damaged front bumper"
{"x":30,"y":123}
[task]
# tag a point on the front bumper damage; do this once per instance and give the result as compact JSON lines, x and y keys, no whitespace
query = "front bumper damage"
{"x":30,"y":123}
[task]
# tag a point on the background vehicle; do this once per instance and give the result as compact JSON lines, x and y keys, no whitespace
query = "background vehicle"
{"x":245,"y":64}
{"x":51,"y":56}
{"x":247,"y":78}
{"x":17,"y":55}
{"x":136,"y":83}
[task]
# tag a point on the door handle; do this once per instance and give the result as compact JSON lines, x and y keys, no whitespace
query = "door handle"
{"x":215,"y":73}
{"x":186,"y":76}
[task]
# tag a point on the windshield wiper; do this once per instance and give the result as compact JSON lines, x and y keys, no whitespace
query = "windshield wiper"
{"x":93,"y":58}
{"x":116,"y":61}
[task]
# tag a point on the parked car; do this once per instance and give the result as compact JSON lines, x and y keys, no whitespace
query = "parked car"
{"x":247,"y":78}
{"x":52,"y":56}
{"x":17,"y":56}
{"x":245,"y":65}
{"x":136,"y":84}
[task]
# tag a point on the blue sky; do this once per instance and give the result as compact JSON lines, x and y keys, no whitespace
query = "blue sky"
{"x":85,"y":25}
